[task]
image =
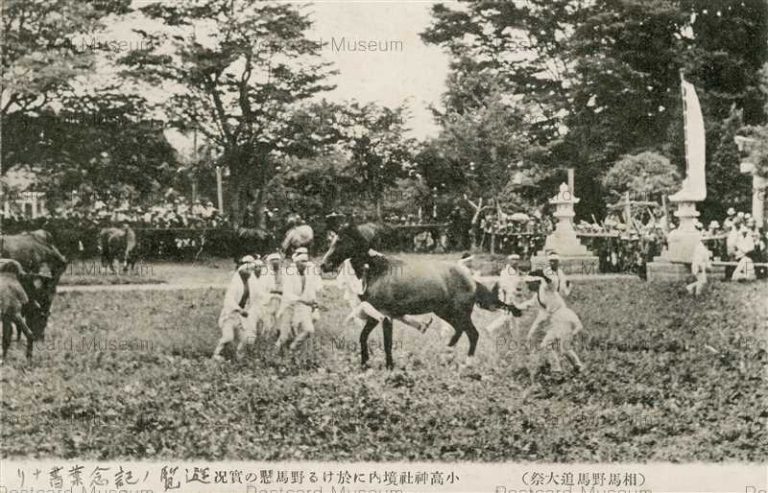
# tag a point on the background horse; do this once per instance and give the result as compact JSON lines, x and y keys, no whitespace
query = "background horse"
{"x":117,"y":244}
{"x":35,"y":257}
{"x":411,"y":287}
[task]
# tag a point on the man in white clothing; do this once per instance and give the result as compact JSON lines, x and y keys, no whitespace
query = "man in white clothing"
{"x":563,"y":323}
{"x":744,"y":249}
{"x":559,"y":284}
{"x":259,"y":287}
{"x":509,"y":293}
{"x":699,"y":265}
{"x":234,"y":310}
{"x":273,"y":278}
{"x":302,"y":284}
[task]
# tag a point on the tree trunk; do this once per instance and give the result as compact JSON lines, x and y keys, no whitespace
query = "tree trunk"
{"x":236,"y":211}
{"x":247,"y":190}
{"x":260,"y":208}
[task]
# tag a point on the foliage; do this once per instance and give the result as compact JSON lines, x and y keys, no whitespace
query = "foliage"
{"x":647,"y":173}
{"x":242,"y":67}
{"x":131,"y":376}
{"x":348,"y":154}
{"x":726,"y":185}
{"x":604,"y":78}
{"x":380,"y":153}
{"x":758,"y":151}
{"x":98,"y":143}
{"x":41,"y":57}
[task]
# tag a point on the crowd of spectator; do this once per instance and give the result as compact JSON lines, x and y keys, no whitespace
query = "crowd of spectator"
{"x":173,"y":211}
{"x":738,"y":238}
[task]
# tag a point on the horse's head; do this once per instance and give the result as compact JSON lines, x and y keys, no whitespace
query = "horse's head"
{"x":347,"y":243}
{"x":40,"y":289}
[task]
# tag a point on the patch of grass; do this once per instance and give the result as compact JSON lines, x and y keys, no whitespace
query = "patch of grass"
{"x":129,"y":375}
{"x":104,"y":280}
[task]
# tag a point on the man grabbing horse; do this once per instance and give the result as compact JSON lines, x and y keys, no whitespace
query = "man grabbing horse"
{"x":299,"y":303}
{"x":398,"y":287}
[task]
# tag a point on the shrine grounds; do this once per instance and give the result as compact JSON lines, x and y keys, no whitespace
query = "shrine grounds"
{"x":128,"y":374}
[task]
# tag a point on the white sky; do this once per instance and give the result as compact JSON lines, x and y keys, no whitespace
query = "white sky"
{"x":413,"y":73}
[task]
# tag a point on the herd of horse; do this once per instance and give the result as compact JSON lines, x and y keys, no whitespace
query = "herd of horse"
{"x":395,"y":287}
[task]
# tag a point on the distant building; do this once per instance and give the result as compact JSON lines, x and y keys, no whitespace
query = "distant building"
{"x":21,"y":194}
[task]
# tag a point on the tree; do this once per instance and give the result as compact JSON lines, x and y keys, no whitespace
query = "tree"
{"x":380,"y":153}
{"x":243,"y":65}
{"x":489,"y":38}
{"x":604,"y":75}
{"x":41,"y":60}
{"x":646,"y":174}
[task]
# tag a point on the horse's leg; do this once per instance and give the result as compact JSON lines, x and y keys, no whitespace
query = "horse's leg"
{"x":462,"y":322}
{"x":456,"y":334}
{"x":7,"y":335}
{"x":20,"y":323}
{"x":387,"y":326}
{"x":367,"y":329}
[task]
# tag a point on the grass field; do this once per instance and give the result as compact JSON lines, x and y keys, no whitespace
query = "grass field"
{"x":129,"y":375}
{"x":213,"y":271}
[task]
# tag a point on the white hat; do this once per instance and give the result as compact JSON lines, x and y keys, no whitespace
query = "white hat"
{"x":246,"y":266}
{"x":514,"y":256}
{"x":553,"y":256}
{"x":248,"y":259}
{"x":731,"y":211}
{"x":273,"y":256}
{"x":301,"y":255}
{"x":740,"y":214}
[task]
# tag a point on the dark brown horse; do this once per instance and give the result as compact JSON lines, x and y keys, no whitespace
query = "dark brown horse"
{"x":36,"y":256}
{"x":398,"y":287}
{"x":19,"y":303}
{"x":118,"y":244}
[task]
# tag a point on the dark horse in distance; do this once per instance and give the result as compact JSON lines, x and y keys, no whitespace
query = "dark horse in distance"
{"x":398,"y":287}
{"x":118,"y":244}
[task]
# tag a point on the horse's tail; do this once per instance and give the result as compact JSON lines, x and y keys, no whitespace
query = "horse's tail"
{"x":488,"y":299}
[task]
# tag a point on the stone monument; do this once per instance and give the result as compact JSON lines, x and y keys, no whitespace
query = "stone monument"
{"x":674,"y":262}
{"x":574,"y":257}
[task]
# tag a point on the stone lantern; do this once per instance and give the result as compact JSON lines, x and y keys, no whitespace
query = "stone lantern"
{"x":574,"y":257}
